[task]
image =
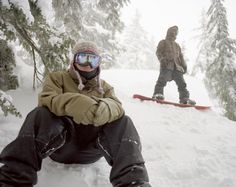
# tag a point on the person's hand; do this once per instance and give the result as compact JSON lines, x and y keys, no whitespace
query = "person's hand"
{"x":96,"y":115}
{"x":102,"y":114}
{"x":88,"y":117}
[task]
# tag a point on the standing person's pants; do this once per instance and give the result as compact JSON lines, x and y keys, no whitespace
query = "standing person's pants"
{"x":169,"y":75}
{"x":44,"y":134}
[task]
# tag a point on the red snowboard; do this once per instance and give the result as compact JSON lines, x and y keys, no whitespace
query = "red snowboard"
{"x":144,"y":98}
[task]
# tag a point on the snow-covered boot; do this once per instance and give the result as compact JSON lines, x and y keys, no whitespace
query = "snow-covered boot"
{"x":158,"y":96}
{"x":187,"y":101}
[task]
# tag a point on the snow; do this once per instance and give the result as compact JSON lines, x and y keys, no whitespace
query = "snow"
{"x":47,"y":9}
{"x":5,"y":97}
{"x":182,"y":147}
{"x":23,"y":4}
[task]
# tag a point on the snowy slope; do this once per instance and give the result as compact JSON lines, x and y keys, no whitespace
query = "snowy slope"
{"x":182,"y":147}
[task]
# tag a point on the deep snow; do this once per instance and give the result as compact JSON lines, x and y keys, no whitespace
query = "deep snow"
{"x":182,"y":147}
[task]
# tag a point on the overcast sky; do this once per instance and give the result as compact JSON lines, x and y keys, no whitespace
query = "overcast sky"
{"x":159,"y":15}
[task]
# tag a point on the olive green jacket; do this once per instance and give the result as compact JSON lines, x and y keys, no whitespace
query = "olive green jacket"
{"x":60,"y":94}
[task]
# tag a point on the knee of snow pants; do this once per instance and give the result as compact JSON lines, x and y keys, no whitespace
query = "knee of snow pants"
{"x":164,"y":76}
{"x":41,"y":133}
{"x":81,"y":147}
{"x":120,"y":143}
{"x":181,"y":84}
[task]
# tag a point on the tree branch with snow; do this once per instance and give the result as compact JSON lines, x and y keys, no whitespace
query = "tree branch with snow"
{"x":7,"y":106}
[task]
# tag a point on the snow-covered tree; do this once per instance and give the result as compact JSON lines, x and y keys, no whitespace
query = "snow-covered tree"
{"x":6,"y":105}
{"x":98,"y":21}
{"x":139,"y":50}
{"x":218,"y":58}
{"x":205,"y":52}
{"x":23,"y":21}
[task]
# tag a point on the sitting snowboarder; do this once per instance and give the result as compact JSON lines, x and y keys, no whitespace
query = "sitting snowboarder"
{"x":79,"y":120}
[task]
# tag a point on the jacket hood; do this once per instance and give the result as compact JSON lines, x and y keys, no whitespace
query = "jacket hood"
{"x":172,"y":33}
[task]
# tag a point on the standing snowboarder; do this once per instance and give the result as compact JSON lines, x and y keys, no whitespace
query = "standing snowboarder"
{"x":172,"y":67}
{"x":79,"y":119}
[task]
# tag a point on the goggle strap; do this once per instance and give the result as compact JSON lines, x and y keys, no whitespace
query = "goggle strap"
{"x":75,"y":58}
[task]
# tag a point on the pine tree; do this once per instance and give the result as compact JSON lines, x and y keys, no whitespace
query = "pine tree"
{"x":49,"y":47}
{"x":220,"y":67}
{"x":204,"y":54}
{"x":97,"y":21}
{"x":45,"y":45}
{"x":31,"y":31}
{"x":139,"y":50}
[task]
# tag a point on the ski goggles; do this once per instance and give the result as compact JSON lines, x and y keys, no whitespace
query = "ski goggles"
{"x":87,"y":59}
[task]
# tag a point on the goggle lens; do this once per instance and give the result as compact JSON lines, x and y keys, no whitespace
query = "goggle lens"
{"x":87,"y":59}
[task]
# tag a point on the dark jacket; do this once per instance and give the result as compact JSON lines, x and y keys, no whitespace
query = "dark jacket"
{"x":169,"y":52}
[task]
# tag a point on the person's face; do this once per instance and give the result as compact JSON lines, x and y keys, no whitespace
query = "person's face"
{"x":173,"y":32}
{"x":84,"y":68}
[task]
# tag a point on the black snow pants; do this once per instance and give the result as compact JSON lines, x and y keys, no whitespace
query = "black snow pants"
{"x":45,"y":134}
{"x":169,"y":75}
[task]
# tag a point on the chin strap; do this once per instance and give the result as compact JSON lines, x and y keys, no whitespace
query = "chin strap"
{"x":81,"y":85}
{"x":100,"y":89}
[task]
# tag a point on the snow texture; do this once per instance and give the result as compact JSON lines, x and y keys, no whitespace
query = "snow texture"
{"x":182,"y":147}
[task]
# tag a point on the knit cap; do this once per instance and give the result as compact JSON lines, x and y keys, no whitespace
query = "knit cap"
{"x":85,"y":46}
{"x":81,"y":47}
